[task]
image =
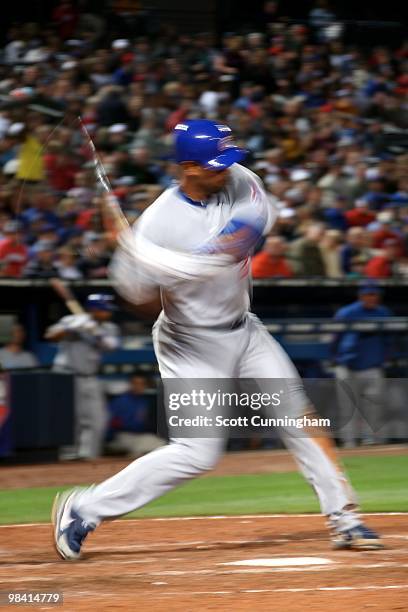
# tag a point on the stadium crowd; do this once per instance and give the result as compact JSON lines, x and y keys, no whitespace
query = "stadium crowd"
{"x":323,"y":122}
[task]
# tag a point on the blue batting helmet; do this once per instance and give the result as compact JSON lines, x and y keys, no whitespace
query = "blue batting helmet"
{"x":207,"y":143}
{"x":100,"y":301}
{"x":369,"y":287}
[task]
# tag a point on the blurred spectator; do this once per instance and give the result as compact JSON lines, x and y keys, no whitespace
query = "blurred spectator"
{"x":65,"y":17}
{"x":141,"y":167}
{"x":132,"y":420}
{"x":360,"y":359}
{"x":30,"y":166}
{"x":40,"y":233}
{"x":271,"y":261}
{"x":286,"y":224}
{"x":330,"y":247}
{"x":360,"y":215}
{"x":305,"y":255}
{"x":83,"y":190}
{"x":324,"y":121}
{"x":111,"y":108}
{"x":13,"y":253}
{"x":383,"y":265}
{"x":320,"y":16}
{"x":335,"y":215}
{"x":66,"y":264}
{"x":61,"y":169}
{"x":382,"y":232}
{"x":95,"y":259}
{"x":43,"y":264}
{"x":357,"y":267}
{"x":40,"y":204}
{"x":13,"y":355}
{"x":169,"y":176}
{"x":355,"y":247}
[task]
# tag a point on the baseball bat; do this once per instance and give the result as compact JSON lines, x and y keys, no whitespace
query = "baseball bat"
{"x":113,"y":218}
{"x":67,"y":296}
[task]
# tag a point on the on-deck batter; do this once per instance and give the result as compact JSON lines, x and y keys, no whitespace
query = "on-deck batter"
{"x":82,"y":338}
{"x":192,"y":245}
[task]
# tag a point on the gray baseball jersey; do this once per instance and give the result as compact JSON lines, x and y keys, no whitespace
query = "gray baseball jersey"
{"x":204,"y":295}
{"x":81,"y":351}
{"x":210,"y":295}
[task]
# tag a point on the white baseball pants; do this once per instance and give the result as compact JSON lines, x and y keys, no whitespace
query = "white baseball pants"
{"x":246,"y":352}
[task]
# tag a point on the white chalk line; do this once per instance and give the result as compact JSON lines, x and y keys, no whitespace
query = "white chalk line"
{"x":181,"y":594}
{"x":208,"y":572}
{"x":370,"y":587}
{"x":215,"y":517}
{"x":276,"y":570}
{"x":5,"y":581}
{"x":95,"y":594}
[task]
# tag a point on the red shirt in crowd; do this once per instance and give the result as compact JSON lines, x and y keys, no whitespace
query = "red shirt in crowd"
{"x":378,"y":267}
{"x":65,"y":17}
{"x":61,"y":172}
{"x":13,"y":258}
{"x":266,"y":266}
{"x":84,"y":218}
{"x":359,"y":218}
{"x":383,"y":234}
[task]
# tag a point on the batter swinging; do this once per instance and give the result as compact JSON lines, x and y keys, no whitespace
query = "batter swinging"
{"x":190,"y":250}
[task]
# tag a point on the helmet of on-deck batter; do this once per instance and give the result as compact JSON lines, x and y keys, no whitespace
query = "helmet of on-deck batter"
{"x":100,"y":301}
{"x":207,"y":143}
{"x":369,"y":287}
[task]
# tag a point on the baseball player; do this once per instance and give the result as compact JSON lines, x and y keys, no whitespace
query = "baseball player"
{"x":190,"y":250}
{"x":82,"y":340}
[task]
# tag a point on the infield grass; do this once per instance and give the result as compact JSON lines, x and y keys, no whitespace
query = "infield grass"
{"x":381,"y":483}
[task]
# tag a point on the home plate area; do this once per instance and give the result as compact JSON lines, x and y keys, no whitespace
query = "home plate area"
{"x":212,"y":563}
{"x":282,"y":562}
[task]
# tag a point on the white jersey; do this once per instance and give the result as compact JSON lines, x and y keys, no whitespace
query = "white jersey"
{"x":197,"y":290}
{"x":80,"y":352}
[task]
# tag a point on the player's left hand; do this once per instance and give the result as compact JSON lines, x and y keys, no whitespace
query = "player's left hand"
{"x":80,"y":323}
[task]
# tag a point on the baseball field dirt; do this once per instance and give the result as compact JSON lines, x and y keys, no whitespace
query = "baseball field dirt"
{"x":178,"y":564}
{"x":259,"y":562}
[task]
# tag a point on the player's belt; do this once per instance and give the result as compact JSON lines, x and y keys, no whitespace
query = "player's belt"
{"x":235,"y":325}
{"x":239,"y":323}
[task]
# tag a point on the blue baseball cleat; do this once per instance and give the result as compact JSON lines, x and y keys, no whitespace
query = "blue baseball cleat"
{"x":69,"y":529}
{"x":359,"y":537}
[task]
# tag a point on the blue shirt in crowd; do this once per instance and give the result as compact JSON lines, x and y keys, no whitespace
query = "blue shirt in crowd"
{"x":362,"y":350}
{"x":130,"y":412}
